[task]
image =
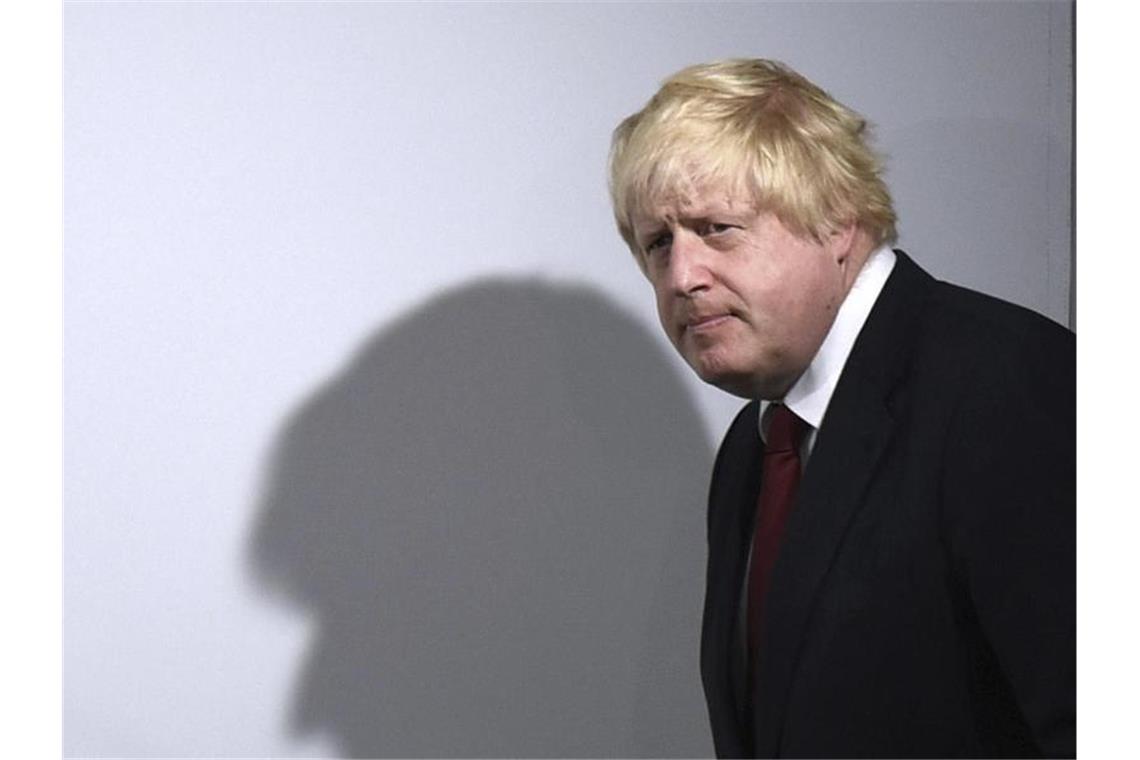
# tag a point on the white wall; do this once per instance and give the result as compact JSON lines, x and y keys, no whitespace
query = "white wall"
{"x":372,"y":444}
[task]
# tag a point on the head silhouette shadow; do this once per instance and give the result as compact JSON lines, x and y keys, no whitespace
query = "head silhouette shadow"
{"x":495,"y":515}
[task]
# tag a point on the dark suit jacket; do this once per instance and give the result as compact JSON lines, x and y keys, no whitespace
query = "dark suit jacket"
{"x":923,"y":601}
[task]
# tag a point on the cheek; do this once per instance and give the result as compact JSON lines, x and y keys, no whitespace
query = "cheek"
{"x":830,"y":294}
{"x":819,"y":289}
{"x":771,"y":308}
{"x":664,"y":312}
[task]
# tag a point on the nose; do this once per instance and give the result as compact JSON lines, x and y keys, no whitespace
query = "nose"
{"x":688,"y":267}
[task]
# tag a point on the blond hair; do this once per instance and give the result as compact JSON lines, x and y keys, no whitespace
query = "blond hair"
{"x":758,"y":127}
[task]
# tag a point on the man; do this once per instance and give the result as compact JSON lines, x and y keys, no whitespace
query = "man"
{"x":891,"y":517}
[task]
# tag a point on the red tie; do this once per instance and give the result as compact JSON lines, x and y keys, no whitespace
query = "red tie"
{"x":780,"y":476}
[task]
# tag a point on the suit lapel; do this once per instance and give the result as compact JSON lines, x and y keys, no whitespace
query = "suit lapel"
{"x":852,"y":438}
{"x":733,"y":509}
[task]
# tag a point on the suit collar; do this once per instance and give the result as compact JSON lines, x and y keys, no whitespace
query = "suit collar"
{"x":853,"y":436}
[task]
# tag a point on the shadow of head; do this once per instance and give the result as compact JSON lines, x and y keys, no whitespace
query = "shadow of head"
{"x":495,"y":515}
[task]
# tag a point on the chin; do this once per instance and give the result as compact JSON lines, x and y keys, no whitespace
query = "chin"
{"x":728,"y":379}
{"x":736,"y":387}
{"x":747,"y":383}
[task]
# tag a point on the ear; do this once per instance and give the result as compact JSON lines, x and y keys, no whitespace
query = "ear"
{"x":840,"y":242}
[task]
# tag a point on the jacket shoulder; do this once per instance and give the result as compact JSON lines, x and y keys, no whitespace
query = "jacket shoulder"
{"x":992,"y":318}
{"x":988,"y":340}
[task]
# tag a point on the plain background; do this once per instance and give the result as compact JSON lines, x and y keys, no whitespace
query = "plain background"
{"x":372,"y":445}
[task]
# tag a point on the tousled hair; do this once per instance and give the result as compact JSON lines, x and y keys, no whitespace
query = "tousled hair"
{"x":754,"y":127}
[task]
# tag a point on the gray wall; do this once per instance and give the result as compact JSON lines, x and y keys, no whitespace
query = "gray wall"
{"x":372,"y":444}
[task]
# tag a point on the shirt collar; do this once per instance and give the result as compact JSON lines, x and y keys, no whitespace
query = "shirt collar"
{"x":810,"y":394}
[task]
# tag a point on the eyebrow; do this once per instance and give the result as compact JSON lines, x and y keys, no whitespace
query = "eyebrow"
{"x":698,"y":214}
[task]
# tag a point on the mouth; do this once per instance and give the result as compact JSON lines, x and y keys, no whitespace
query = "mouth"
{"x":707,"y":323}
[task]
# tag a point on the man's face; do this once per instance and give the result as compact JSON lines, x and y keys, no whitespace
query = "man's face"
{"x":745,"y":301}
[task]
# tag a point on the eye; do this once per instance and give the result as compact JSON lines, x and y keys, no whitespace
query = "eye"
{"x":714,"y":228}
{"x":658,"y":243}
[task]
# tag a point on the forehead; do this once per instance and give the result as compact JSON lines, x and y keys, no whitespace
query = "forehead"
{"x":691,"y":200}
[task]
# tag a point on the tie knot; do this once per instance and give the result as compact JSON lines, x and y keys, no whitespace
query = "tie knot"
{"x":785,"y":429}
